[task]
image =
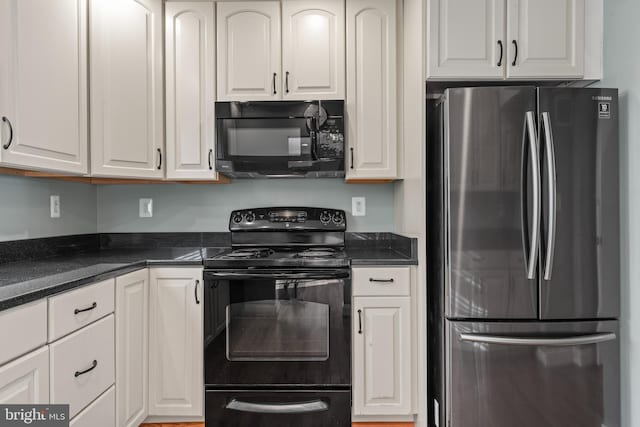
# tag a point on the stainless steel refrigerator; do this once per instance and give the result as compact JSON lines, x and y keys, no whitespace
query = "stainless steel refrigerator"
{"x":523,"y":257}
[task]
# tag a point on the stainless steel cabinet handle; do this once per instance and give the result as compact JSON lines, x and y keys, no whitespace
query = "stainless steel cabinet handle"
{"x":371,"y":279}
{"x":82,"y":310}
{"x":359,"y":321}
{"x":534,"y":238}
{"x":275,"y":92}
{"x":8,"y":122}
{"x":552,"y":194}
{"x":501,"y":53}
{"x":93,"y":366}
{"x":286,"y":82}
{"x":196,"y":291}
{"x":159,"y":159}
{"x":210,"y":159}
{"x":531,"y":341}
{"x":515,"y":57}
{"x":277,"y":408}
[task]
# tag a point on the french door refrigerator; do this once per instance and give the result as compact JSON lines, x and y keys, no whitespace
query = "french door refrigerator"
{"x":523,"y":257}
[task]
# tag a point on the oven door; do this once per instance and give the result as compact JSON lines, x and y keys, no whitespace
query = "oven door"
{"x":278,"y":328}
{"x":278,"y":408}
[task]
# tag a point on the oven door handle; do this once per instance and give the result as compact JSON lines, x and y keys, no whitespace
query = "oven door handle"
{"x":278,"y":408}
{"x":277,"y":274}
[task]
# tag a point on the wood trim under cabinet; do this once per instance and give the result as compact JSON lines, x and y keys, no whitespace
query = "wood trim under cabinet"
{"x":368,"y":181}
{"x":383,"y":424}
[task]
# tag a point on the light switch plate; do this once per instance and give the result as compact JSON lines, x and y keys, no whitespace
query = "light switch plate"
{"x":358,"y":206}
{"x":54,"y":204}
{"x":146,"y":208}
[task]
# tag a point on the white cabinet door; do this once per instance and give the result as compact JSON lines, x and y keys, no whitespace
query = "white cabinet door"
{"x":43,"y":84}
{"x":466,"y":39}
{"x":313,"y":49}
{"x":190,"y":89}
{"x":132,"y":348}
{"x":550,"y":38}
{"x":248,"y":51}
{"x":176,"y":342}
{"x":382,"y":356}
{"x":26,"y":380}
{"x":372,"y":104}
{"x":126,"y":88}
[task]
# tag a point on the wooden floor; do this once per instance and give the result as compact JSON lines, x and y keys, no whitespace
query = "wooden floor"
{"x":174,"y":425}
{"x":354,"y":424}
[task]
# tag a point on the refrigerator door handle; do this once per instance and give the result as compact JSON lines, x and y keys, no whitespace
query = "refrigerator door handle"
{"x":530,"y":135}
{"x":552,"y":194}
{"x":532,"y":341}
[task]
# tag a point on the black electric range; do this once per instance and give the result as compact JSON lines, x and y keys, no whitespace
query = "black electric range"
{"x":278,"y":321}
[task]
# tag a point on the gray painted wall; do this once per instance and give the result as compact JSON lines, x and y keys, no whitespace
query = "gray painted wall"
{"x":622,"y":70}
{"x":24,"y":208}
{"x":206,"y":207}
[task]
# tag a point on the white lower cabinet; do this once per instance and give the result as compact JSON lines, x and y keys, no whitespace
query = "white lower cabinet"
{"x":26,"y":380}
{"x":101,"y":413}
{"x":132,"y":348}
{"x":176,"y":342}
{"x":82,"y":365}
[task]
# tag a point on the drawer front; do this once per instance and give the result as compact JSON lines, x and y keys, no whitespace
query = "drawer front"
{"x":82,"y":365}
{"x":101,"y":413}
{"x":381,"y":281}
{"x":73,"y":310}
{"x":22,"y":329}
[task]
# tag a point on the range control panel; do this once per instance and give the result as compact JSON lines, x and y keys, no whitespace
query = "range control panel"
{"x":277,"y":219}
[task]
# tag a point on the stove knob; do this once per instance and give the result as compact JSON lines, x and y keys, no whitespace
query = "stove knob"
{"x":250,"y":217}
{"x":237,"y":218}
{"x":325,"y":217}
{"x":338,"y":218}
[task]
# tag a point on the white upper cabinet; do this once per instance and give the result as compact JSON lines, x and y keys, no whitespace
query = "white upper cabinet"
{"x":466,"y":38}
{"x":313,"y":49}
{"x":248,"y":51}
{"x":190,"y":90}
{"x":127,"y":120}
{"x":546,"y":38}
{"x":372,"y":89}
{"x":514,"y":39}
{"x":43,"y":85}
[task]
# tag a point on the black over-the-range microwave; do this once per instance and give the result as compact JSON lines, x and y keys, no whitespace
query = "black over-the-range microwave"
{"x":280,"y":139}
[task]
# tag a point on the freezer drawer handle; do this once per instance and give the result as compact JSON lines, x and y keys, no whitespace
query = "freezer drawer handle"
{"x":552,"y":194}
{"x":277,"y":408}
{"x":556,"y":342}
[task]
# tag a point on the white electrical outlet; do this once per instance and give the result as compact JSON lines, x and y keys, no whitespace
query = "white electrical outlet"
{"x":54,"y":204}
{"x":358,"y":206}
{"x":146,"y":208}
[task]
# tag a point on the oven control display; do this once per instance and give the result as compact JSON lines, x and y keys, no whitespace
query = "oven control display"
{"x":288,"y":216}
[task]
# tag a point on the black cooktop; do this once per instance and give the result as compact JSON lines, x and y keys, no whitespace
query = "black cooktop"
{"x":278,"y":257}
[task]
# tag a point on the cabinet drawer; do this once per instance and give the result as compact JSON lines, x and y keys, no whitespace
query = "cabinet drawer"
{"x":381,"y":281}
{"x":73,"y":310}
{"x":101,"y":413}
{"x":90,"y":347}
{"x":22,"y":329}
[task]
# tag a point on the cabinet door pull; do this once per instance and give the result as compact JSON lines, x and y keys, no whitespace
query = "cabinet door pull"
{"x":275,"y":92}
{"x":211,"y":159}
{"x":286,"y":82}
{"x":515,"y":58}
{"x":351,"y":160}
{"x":159,"y":159}
{"x":501,"y":53}
{"x":371,"y":279}
{"x":82,"y":310}
{"x":8,"y":122}
{"x":93,"y":366}
{"x":359,"y":321}
{"x":196,"y":291}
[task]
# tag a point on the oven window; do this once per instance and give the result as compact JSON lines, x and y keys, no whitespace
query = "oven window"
{"x":288,"y":327}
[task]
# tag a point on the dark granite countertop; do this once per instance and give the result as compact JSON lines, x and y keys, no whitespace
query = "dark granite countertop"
{"x":48,"y":272}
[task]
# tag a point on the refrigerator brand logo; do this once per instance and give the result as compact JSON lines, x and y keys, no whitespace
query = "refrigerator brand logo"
{"x":604,"y":110}
{"x":34,"y":415}
{"x":602,"y":98}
